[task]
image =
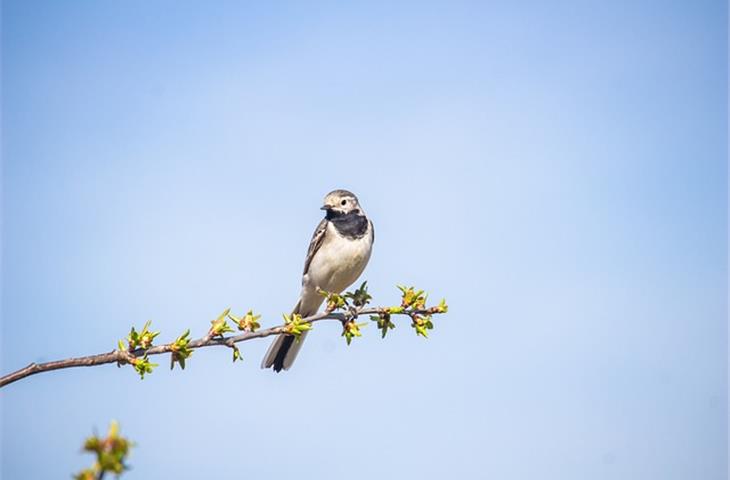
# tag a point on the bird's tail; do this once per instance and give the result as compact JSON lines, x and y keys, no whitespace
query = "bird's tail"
{"x":284,"y":349}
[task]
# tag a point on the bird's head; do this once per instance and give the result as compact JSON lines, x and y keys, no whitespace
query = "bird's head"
{"x":341,"y":202}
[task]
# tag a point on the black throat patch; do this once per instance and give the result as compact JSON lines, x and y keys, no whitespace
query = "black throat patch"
{"x":352,"y":225}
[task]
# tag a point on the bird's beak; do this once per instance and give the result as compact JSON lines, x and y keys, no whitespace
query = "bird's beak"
{"x":325,"y":207}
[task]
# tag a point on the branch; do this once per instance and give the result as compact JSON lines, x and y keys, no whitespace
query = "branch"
{"x":413,"y":305}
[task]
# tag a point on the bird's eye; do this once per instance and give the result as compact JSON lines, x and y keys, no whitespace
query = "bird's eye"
{"x":343,"y":203}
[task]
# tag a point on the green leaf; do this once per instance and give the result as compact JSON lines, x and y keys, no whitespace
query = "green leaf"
{"x":141,"y":339}
{"x":359,"y":297}
{"x":412,"y":298}
{"x":295,"y":326}
{"x":180,"y":350}
{"x":334,"y":301}
{"x":143,"y":366}
{"x":236,"y":354}
{"x":384,"y":323}
{"x":422,"y":324}
{"x":351,"y":329}
{"x":248,"y":322}
{"x":219,"y":326}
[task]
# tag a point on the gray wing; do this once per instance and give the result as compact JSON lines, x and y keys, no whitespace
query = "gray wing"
{"x":316,"y":242}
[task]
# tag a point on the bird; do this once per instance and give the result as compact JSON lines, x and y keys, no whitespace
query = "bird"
{"x":338,"y":253}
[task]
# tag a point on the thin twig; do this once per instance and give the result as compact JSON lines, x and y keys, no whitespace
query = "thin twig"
{"x":120,"y":357}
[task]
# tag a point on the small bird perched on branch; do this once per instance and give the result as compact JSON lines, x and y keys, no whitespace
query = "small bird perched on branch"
{"x":337,"y":255}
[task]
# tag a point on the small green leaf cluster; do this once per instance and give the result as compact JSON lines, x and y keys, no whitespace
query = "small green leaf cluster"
{"x":138,"y":340}
{"x":111,"y":453}
{"x":141,"y":339}
{"x":384,"y":322}
{"x":293,"y":325}
{"x":333,"y":301}
{"x":142,"y":365}
{"x":421,"y":324}
{"x":412,"y":298}
{"x":219,"y":326}
{"x":351,"y":329}
{"x":359,"y":297}
{"x":416,"y":300}
{"x":180,"y":350}
{"x":248,"y":322}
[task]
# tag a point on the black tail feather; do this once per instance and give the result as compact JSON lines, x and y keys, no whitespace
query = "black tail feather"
{"x":281,"y":354}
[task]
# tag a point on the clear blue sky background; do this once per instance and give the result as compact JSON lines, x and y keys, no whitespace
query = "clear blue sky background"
{"x":556,"y":170}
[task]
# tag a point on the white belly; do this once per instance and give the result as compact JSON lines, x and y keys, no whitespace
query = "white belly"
{"x":339,"y":262}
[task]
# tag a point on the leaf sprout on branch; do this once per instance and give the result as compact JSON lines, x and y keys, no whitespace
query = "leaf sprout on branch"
{"x":345,"y":308}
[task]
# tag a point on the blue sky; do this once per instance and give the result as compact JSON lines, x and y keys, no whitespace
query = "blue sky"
{"x":557,"y":171}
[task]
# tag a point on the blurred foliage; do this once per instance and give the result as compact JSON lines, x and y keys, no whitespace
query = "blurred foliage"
{"x":111,"y":454}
